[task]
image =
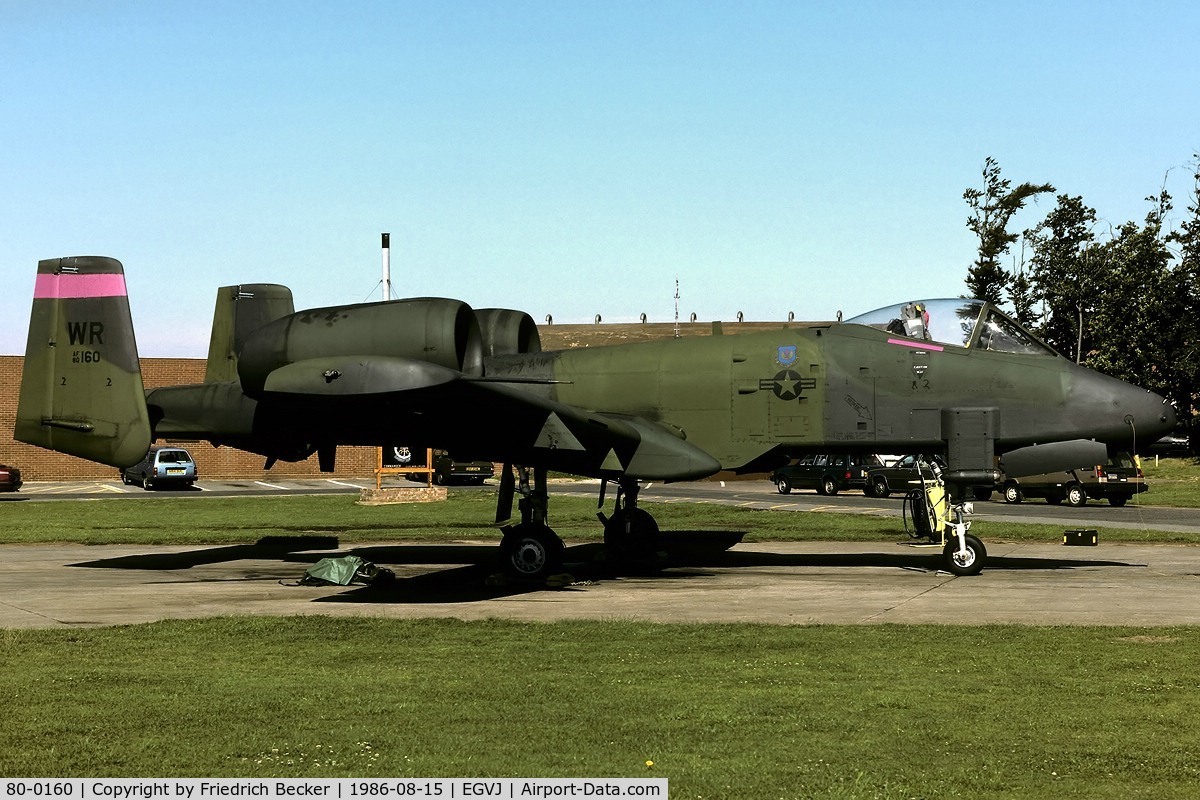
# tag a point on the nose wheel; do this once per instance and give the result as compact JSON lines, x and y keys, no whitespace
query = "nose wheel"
{"x":965,"y":556}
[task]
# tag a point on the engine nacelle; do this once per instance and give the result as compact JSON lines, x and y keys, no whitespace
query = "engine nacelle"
{"x":508,"y":333}
{"x":439,"y":331}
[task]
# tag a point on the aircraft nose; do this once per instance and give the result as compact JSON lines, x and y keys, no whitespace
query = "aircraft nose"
{"x":1152,"y":416}
{"x":1129,"y":415}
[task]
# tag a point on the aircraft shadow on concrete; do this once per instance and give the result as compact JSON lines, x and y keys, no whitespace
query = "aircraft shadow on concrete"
{"x":681,"y":555}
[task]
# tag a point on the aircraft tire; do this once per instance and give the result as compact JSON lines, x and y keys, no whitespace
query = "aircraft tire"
{"x":1012,"y":493}
{"x":531,"y":552}
{"x":971,"y":563}
{"x":1076,"y":495}
{"x":639,"y":540}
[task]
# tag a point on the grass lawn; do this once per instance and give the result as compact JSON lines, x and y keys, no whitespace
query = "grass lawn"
{"x":732,"y":711}
{"x":723,"y":711}
{"x":201,"y":520}
{"x":1172,"y":481}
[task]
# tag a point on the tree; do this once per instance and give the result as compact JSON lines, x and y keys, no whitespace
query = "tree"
{"x":1134,"y":322}
{"x":992,"y":209}
{"x":1067,"y":268}
{"x":1185,"y":349}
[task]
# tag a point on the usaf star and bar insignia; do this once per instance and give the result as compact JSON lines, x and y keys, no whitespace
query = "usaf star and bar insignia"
{"x":786,"y":384}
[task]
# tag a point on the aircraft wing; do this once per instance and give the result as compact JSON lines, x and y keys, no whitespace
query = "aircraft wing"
{"x":500,"y":420}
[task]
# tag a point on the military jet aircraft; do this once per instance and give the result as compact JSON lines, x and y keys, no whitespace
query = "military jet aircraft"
{"x":953,"y":377}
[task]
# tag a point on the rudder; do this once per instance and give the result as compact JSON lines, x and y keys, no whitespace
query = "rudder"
{"x":81,"y":386}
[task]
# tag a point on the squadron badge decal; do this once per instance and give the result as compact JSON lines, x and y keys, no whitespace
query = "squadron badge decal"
{"x":785,"y":355}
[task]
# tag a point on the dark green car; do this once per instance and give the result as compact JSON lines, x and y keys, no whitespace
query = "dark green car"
{"x":827,"y":473}
{"x":902,"y":476}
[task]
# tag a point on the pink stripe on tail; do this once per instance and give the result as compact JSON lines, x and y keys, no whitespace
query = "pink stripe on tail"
{"x":67,"y":285}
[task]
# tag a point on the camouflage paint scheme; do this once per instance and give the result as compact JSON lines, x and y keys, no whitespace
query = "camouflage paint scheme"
{"x":963,"y":381}
{"x":424,"y":371}
{"x":81,"y":392}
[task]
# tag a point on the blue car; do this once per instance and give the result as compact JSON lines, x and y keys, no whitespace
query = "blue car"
{"x":162,"y":466}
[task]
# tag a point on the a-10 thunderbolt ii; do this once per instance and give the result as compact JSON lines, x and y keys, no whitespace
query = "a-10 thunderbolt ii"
{"x":952,"y":377}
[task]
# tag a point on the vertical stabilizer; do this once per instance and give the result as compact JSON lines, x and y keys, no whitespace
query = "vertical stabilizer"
{"x":81,"y":388}
{"x":240,"y":311}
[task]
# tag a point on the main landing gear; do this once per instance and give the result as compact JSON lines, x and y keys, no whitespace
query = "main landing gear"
{"x":532,"y":551}
{"x":631,"y":532}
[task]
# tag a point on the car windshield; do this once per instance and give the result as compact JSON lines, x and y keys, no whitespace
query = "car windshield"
{"x":955,"y":322}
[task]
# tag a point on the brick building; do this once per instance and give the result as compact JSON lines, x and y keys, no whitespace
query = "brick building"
{"x":37,"y":464}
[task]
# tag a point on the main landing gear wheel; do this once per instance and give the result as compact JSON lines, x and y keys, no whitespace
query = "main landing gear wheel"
{"x":630,"y":532}
{"x":969,"y":562}
{"x":531,"y":551}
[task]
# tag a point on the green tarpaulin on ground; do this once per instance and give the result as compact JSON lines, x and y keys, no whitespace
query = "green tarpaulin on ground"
{"x":340,"y":571}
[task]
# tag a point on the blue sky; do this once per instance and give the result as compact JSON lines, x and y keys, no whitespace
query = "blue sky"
{"x":566,"y":158}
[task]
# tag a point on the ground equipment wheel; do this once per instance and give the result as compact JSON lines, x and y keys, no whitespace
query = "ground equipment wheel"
{"x":966,"y":563}
{"x":1076,"y":495}
{"x":1012,"y":493}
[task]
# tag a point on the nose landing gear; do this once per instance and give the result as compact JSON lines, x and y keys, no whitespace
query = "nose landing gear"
{"x":944,"y":524}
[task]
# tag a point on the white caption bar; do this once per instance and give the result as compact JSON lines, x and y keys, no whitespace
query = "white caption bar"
{"x":330,"y":788}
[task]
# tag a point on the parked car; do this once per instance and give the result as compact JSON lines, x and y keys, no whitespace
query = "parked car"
{"x":899,"y":476}
{"x":162,"y":466}
{"x":1117,"y":481}
{"x":10,"y":478}
{"x":828,"y":474}
{"x":447,"y":470}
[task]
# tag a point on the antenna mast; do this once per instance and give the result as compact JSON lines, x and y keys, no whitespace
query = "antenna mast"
{"x":676,"y":307}
{"x":387,"y":266}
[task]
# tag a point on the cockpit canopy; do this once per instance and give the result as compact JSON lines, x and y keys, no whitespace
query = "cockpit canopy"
{"x":955,"y":322}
